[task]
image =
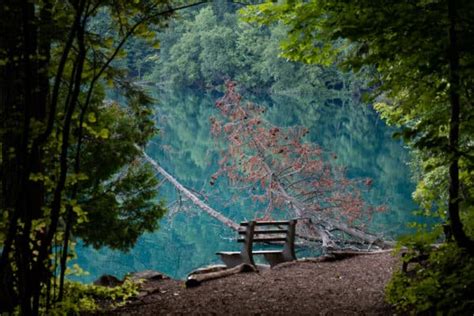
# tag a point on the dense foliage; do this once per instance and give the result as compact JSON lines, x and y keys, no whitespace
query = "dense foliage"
{"x":69,"y":166}
{"x":443,"y":283}
{"x":422,"y":52}
{"x":211,"y":45}
{"x":90,"y":298}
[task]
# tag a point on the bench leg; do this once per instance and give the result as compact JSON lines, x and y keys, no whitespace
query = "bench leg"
{"x":232,"y":260}
{"x":245,"y":255}
{"x":289,"y":247}
{"x":274,"y":258}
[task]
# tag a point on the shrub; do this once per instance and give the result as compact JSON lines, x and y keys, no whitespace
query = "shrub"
{"x":442,"y":285}
{"x":80,"y":298}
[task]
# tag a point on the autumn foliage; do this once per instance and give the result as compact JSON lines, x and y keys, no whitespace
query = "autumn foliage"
{"x":283,"y":172}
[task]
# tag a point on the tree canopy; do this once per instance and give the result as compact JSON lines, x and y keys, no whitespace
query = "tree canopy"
{"x":69,"y":166}
{"x":210,"y":45}
{"x":420,"y":54}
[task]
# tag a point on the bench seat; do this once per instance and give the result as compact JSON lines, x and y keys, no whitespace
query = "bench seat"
{"x":227,"y":252}
{"x":264,"y":252}
{"x":255,"y":252}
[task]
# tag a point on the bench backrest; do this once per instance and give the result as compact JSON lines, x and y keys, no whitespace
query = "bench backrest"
{"x":276,"y":233}
{"x":268,"y":232}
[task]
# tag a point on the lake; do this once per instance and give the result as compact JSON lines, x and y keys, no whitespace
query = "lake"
{"x":188,"y":238}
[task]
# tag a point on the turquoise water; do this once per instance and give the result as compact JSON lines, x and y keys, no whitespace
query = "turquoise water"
{"x":189,"y":238}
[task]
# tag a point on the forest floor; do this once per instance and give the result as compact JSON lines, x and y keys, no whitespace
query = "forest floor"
{"x":352,"y":286}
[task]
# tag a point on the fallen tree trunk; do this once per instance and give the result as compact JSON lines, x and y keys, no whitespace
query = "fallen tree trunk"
{"x":196,"y":279}
{"x":300,"y":211}
{"x":369,"y":238}
{"x":191,"y":196}
{"x":321,"y":232}
{"x":342,"y":254}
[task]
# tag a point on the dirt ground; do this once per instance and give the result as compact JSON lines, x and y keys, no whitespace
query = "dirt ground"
{"x":353,"y":286}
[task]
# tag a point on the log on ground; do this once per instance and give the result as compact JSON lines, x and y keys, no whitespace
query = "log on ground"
{"x":194,"y":280}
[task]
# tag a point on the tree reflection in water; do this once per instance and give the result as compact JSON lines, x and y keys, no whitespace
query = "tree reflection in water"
{"x":349,"y":129}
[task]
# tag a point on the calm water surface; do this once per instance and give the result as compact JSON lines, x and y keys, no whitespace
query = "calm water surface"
{"x":189,"y":238}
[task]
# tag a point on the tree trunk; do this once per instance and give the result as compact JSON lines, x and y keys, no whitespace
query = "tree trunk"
{"x":21,"y":101}
{"x":11,"y":107}
{"x":454,"y":198}
{"x":206,"y":208}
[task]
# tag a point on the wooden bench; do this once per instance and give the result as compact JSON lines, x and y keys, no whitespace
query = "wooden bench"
{"x":263,"y":232}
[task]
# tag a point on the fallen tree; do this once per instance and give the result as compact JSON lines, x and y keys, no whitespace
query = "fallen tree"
{"x":279,"y":169}
{"x":283,"y":172}
{"x":365,"y":237}
{"x":190,"y":195}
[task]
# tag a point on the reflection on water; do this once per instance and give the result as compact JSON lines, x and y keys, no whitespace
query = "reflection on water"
{"x":185,"y":148}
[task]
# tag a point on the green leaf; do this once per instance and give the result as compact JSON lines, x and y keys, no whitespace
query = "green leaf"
{"x":104,"y":133}
{"x":91,"y":117}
